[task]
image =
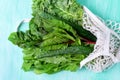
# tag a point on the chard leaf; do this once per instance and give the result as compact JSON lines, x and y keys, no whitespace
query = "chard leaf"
{"x":54,"y":40}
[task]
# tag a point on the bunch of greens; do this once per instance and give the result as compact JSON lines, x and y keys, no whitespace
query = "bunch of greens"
{"x":56,"y":39}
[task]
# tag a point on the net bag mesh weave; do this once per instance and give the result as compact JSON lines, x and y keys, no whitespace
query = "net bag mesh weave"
{"x":107,"y":48}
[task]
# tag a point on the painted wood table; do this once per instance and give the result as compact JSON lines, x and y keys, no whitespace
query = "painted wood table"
{"x":13,"y":11}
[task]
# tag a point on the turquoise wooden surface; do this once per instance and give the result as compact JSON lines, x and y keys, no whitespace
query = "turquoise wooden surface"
{"x":13,"y":11}
{"x":106,"y":9}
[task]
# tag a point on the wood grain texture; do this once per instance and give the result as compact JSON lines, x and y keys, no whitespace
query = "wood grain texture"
{"x":11,"y":13}
{"x":106,"y":9}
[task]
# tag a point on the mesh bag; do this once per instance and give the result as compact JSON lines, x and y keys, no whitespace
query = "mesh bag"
{"x":107,"y":48}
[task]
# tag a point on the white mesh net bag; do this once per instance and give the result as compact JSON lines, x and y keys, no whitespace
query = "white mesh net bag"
{"x":107,"y":48}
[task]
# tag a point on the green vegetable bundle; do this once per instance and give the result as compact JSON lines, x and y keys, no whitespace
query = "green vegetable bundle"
{"x":55,"y":40}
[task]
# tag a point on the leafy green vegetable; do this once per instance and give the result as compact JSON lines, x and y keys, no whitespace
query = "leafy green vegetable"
{"x":55,"y":40}
{"x":54,"y":64}
{"x":68,"y":11}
